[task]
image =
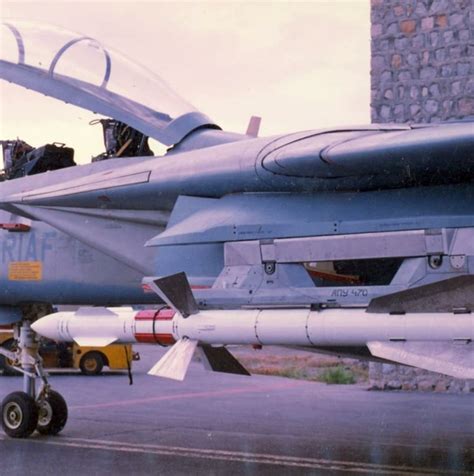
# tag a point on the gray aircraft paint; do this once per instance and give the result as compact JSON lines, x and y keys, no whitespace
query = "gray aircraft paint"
{"x":70,"y":270}
{"x":217,"y":188}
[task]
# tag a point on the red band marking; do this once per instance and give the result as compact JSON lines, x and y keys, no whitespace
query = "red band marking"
{"x":164,"y":339}
{"x":147,"y":315}
{"x":152,"y":316}
{"x":165,"y":314}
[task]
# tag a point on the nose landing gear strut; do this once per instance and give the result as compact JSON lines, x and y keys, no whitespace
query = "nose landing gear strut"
{"x":23,"y":412}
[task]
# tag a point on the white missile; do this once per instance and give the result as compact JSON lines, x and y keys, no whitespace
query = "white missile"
{"x":301,"y":327}
{"x":295,"y":327}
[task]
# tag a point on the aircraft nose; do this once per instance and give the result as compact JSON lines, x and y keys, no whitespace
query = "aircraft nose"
{"x":48,"y":326}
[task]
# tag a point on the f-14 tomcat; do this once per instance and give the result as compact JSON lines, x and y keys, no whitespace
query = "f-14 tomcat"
{"x":355,"y":240}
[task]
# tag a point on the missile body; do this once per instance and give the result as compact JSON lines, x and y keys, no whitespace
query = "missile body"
{"x":328,"y":327}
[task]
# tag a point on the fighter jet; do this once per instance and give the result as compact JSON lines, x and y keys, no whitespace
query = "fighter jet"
{"x":353,"y":240}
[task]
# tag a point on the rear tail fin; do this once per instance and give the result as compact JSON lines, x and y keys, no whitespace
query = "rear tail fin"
{"x":175,"y":363}
{"x":219,"y":359}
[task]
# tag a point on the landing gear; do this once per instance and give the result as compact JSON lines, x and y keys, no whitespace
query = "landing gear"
{"x":19,"y":415}
{"x":52,"y":414}
{"x":23,"y":412}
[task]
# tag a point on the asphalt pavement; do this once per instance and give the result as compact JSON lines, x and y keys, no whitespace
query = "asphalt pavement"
{"x":220,"y":424}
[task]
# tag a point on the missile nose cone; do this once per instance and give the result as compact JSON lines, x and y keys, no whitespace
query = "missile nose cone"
{"x":47,"y":326}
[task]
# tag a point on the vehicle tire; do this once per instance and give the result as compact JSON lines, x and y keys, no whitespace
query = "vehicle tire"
{"x":52,"y":414}
{"x":19,"y":415}
{"x":91,"y":363}
{"x":5,"y":364}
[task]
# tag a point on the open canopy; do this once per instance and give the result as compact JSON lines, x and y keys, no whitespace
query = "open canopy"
{"x":82,"y":71}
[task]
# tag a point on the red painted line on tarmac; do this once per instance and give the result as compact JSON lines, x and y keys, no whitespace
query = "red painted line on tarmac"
{"x":179,"y":396}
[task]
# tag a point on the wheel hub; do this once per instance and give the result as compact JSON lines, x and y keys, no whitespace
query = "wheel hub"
{"x":90,"y":365}
{"x":12,"y":415}
{"x":45,"y":414}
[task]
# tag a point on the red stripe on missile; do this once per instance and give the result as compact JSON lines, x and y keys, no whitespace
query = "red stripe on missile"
{"x":165,"y":314}
{"x":164,"y":339}
{"x":147,"y":315}
{"x":145,"y":338}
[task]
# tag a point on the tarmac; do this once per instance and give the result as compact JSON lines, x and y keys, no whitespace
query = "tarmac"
{"x":221,"y":424}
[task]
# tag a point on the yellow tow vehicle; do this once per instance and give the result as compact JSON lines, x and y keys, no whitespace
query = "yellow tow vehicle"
{"x":90,"y":360}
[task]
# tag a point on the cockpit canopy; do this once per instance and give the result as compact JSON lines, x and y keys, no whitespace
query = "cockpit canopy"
{"x":82,"y":71}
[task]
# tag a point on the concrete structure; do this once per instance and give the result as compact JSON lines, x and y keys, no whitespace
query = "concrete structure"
{"x":422,"y":67}
{"x":422,"y":70}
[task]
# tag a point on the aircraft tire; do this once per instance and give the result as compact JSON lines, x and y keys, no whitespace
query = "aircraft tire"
{"x":19,"y":415}
{"x":52,"y":414}
{"x":91,"y":363}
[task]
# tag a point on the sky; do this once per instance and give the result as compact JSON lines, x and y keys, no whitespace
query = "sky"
{"x":297,"y":65}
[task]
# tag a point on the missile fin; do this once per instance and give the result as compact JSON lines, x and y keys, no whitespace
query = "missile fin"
{"x":219,"y":359}
{"x":175,"y":363}
{"x":441,"y":296}
{"x":453,"y":359}
{"x":177,"y":293}
{"x":94,"y":341}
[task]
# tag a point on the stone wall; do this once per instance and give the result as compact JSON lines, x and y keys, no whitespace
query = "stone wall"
{"x":422,"y":67}
{"x":400,"y":377}
{"x":422,"y":70}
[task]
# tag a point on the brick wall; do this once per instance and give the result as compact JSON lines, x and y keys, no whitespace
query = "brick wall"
{"x":422,"y":67}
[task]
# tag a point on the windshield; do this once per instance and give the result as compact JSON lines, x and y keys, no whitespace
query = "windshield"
{"x":81,"y":70}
